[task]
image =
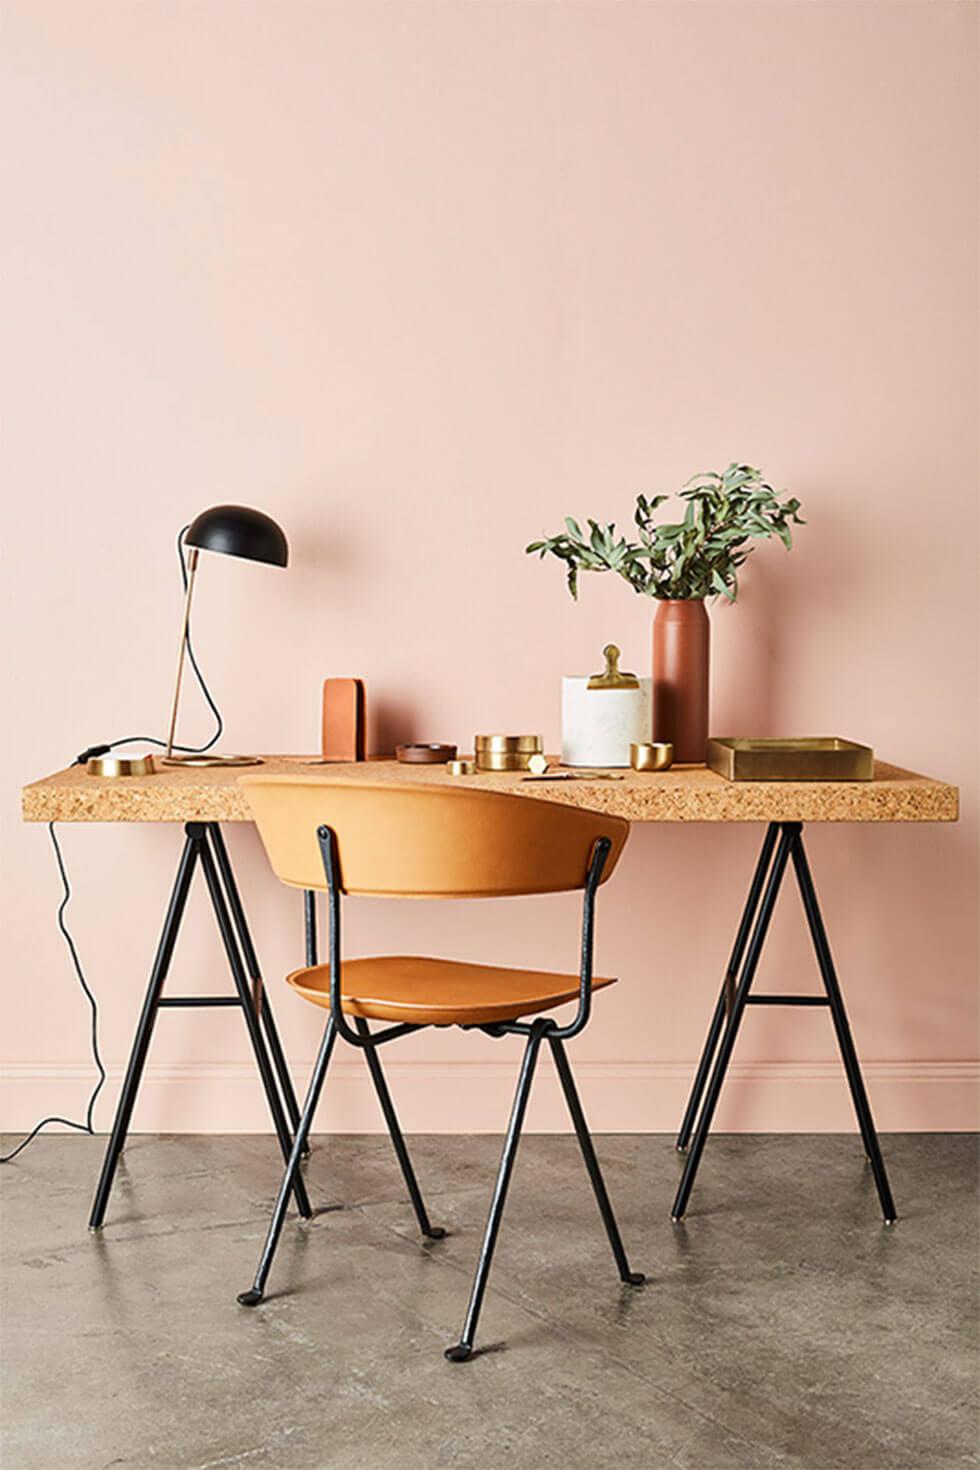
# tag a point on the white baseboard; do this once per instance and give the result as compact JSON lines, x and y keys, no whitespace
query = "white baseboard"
{"x":454,"y":1097}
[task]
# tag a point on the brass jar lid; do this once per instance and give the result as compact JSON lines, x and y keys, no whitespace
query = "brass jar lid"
{"x":502,"y":744}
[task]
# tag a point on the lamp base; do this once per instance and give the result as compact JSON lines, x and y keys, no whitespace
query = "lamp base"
{"x":211,"y":760}
{"x":112,"y":766}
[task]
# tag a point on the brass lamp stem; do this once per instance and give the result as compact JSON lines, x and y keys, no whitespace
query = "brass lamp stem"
{"x":191,"y":573}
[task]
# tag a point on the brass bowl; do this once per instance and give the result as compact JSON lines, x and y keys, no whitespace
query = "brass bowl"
{"x":652,"y":755}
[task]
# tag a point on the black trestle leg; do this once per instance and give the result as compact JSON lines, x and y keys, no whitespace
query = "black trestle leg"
{"x":434,"y":1232}
{"x":563,"y":1068}
{"x":254,"y":1296}
{"x":259,"y":993}
{"x":463,"y":1350}
{"x":144,"y":1030}
{"x":728,"y":986}
{"x":843,"y":1031}
{"x":252,"y":1023}
{"x":755,"y":945}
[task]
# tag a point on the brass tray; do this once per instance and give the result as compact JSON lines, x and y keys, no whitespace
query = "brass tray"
{"x":812,"y":758}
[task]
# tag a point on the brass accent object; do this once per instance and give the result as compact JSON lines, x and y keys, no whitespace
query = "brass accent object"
{"x":813,"y":758}
{"x":613,"y":677}
{"x":652,"y":755}
{"x":111,"y":766}
{"x":425,"y":753}
{"x":576,"y":776}
{"x":192,"y":559}
{"x":506,"y":752}
{"x":211,"y":760}
{"x":461,"y":768}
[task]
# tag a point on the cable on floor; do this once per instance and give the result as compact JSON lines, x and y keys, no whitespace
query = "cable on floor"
{"x":80,"y":760}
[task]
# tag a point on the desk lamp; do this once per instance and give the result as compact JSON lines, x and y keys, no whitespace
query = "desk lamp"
{"x":234,"y":530}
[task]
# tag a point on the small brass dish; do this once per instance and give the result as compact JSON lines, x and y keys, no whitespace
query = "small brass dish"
{"x":461,"y":768}
{"x":652,"y":755}
{"x":811,"y":758}
{"x":111,"y":766}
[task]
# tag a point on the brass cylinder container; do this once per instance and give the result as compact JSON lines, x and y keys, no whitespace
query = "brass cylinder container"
{"x":506,"y":752}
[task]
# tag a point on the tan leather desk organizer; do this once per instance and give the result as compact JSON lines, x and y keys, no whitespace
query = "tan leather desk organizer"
{"x":344,"y":723}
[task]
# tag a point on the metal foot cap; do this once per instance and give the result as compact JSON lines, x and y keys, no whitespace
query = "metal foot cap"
{"x":634,"y":1278}
{"x":677,"y":1219}
{"x":249,"y":1298}
{"x":458,"y":1354}
{"x":436,"y":1232}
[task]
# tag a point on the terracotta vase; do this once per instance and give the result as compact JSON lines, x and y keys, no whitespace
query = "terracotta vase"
{"x":681,"y":637}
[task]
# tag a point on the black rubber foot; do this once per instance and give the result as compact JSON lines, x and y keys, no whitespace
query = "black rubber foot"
{"x":635,"y":1278}
{"x":458,"y":1354}
{"x":249,"y":1298}
{"x":435,"y":1232}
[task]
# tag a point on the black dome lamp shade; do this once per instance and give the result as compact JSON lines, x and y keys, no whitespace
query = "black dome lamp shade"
{"x":232,"y":530}
{"x":237,"y":530}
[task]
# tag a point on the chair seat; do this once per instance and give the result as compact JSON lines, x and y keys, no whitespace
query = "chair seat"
{"x":429,"y":992}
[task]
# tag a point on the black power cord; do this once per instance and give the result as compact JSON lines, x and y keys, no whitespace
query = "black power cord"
{"x":80,"y":760}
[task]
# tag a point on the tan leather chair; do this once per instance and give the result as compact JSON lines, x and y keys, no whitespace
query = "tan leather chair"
{"x":434,"y":842}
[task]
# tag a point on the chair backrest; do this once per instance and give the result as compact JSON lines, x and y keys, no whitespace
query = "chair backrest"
{"x":427,"y":841}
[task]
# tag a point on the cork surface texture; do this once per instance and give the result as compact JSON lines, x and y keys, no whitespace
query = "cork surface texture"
{"x":684,"y":794}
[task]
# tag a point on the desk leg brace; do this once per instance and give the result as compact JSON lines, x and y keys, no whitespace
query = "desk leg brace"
{"x":204,"y":845}
{"x":783,"y":842}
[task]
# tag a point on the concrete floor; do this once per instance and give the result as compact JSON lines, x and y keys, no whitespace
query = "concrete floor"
{"x":782,"y":1324}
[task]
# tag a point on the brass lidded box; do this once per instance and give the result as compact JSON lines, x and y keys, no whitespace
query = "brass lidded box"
{"x":506,"y":752}
{"x":808,"y":758}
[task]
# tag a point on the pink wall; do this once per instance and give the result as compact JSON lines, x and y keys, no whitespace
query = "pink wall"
{"x":419,"y":279}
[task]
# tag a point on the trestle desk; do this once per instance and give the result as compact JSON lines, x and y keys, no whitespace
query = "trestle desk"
{"x":202,"y":799}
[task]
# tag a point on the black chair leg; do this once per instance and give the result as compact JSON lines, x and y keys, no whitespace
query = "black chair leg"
{"x":632,"y":1278}
{"x":433,"y":1232}
{"x":254,"y":1296}
{"x":463,"y":1350}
